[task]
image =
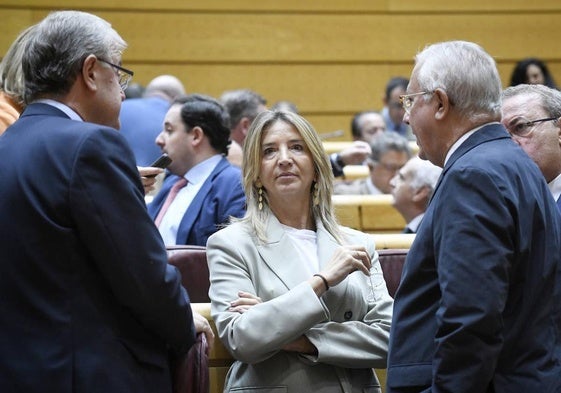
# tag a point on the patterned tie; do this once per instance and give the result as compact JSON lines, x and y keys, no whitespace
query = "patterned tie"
{"x":171,"y":196}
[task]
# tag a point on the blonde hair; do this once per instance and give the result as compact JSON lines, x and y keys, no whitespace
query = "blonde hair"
{"x":251,"y":165}
{"x":11,"y":73}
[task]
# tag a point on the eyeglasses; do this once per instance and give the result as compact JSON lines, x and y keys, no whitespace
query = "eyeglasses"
{"x":524,"y":127}
{"x":124,"y":75}
{"x":407,"y":102}
{"x":388,"y":167}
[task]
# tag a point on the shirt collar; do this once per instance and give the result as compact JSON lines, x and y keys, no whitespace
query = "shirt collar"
{"x":202,"y":170}
{"x":462,"y":139}
{"x":71,"y":113}
{"x":555,"y":187}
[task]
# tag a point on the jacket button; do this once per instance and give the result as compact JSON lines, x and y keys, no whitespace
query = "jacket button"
{"x":348,"y":315}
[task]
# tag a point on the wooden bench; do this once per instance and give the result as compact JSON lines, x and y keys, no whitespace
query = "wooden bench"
{"x":336,"y":146}
{"x":368,"y":213}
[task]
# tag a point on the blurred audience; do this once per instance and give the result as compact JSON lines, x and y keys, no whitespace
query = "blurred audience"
{"x":532,"y":71}
{"x":286,"y":106}
{"x":142,"y":118}
{"x":389,"y":152}
{"x":393,"y":111}
{"x":367,"y":125}
{"x":412,"y":189}
{"x":203,"y":189}
{"x":242,"y":105}
{"x":134,"y":90}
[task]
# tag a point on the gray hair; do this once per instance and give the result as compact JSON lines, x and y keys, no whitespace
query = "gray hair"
{"x":251,"y":166}
{"x":425,"y":174}
{"x":11,"y":74}
{"x":387,"y":141}
{"x":466,"y":72}
{"x":242,"y":103}
{"x":54,"y":55}
{"x":548,"y":98}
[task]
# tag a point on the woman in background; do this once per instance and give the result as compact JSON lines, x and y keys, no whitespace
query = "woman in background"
{"x":532,"y":71}
{"x":300,"y":302}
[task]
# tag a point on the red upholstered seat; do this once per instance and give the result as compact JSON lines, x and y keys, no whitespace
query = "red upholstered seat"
{"x":191,"y":263}
{"x":392,"y":261}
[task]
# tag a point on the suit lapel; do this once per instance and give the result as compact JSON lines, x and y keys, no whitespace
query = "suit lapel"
{"x":485,"y":134}
{"x":196,"y":204}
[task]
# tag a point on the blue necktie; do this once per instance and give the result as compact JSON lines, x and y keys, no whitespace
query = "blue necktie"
{"x":559,"y":204}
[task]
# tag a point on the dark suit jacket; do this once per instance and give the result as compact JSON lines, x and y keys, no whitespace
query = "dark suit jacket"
{"x":478,"y":307}
{"x":142,"y":120}
{"x":220,"y":197}
{"x":89,"y":302}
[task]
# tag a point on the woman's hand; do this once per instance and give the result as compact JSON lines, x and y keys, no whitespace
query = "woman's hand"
{"x":301,"y":345}
{"x":244,"y":302}
{"x":345,"y":260}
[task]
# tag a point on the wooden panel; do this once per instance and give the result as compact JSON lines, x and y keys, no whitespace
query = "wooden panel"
{"x":314,"y":38}
{"x":385,"y":241}
{"x":347,"y":212}
{"x":251,"y":6}
{"x":473,"y":5}
{"x":353,"y":172}
{"x":316,"y":89}
{"x":378,"y":215}
{"x":408,"y":6}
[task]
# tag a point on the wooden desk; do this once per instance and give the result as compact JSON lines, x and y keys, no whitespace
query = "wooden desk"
{"x":368,"y":213}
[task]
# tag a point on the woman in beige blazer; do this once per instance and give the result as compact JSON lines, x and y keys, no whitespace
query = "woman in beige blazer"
{"x":299,"y":301}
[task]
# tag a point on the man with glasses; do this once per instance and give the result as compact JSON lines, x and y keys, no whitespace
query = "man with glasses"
{"x":390,"y":151}
{"x":89,"y":301}
{"x":531,"y":115}
{"x":477,"y":309}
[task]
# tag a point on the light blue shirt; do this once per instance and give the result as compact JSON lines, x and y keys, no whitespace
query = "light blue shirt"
{"x":195,"y":177}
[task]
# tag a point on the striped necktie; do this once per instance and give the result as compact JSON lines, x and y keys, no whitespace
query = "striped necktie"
{"x":171,"y":196}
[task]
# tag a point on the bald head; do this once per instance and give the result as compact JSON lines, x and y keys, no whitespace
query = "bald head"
{"x":165,"y":86}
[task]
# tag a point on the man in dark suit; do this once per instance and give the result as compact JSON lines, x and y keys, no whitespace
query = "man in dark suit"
{"x":89,"y":302}
{"x":204,"y":189}
{"x":477,"y":309}
{"x":531,"y":114}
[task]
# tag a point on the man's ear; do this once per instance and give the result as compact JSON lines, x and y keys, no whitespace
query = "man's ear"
{"x":89,"y":72}
{"x":443,"y":102}
{"x":245,"y":122}
{"x":198,"y":134}
{"x":420,"y":194}
{"x":558,"y":124}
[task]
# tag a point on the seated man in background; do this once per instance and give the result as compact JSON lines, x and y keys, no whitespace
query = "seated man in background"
{"x":204,"y":189}
{"x":141,"y":118}
{"x":390,"y":152}
{"x":393,"y":111}
{"x":412,"y":189}
{"x":242,"y":105}
{"x":531,"y":115}
{"x":367,"y":125}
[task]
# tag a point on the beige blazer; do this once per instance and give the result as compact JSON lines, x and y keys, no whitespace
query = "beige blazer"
{"x":350,"y":332}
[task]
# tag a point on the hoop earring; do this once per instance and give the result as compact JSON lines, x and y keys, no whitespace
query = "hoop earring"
{"x":316,"y":194}
{"x":260,"y":192}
